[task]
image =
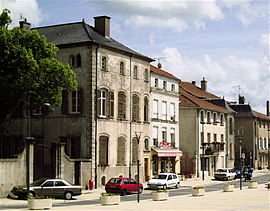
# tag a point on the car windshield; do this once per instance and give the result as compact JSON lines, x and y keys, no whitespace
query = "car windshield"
{"x":38,"y":182}
{"x":160,"y":176}
{"x":222,"y":170}
{"x":115,"y":181}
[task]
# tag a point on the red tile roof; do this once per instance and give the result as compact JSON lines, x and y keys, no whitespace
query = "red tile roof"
{"x":260,"y":115}
{"x":196,"y":91}
{"x":188,"y":100}
{"x":162,"y":72}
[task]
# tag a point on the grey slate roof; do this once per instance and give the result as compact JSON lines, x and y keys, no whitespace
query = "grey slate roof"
{"x":81,"y":32}
{"x":222,"y":103}
{"x":243,"y":110}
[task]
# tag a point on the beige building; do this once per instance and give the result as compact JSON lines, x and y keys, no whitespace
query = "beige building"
{"x":252,"y":131}
{"x":205,"y":139}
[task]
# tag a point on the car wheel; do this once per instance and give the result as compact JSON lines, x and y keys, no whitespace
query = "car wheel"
{"x":177,"y":185}
{"x":140,"y":190}
{"x":68,"y":195}
{"x":164,"y":187}
{"x":123,"y":192}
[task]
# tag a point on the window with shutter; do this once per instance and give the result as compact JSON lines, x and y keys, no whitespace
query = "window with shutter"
{"x":155,"y":109}
{"x":103,"y":150}
{"x":164,"y":134}
{"x":111,"y":105}
{"x":75,"y":102}
{"x":135,"y":108}
{"x":173,"y":137}
{"x":134,"y":150}
{"x":146,"y":75}
{"x":102,"y":103}
{"x":146,"y":110}
{"x":121,"y":105}
{"x":121,"y":151}
{"x":164,"y":110}
{"x":135,"y":72}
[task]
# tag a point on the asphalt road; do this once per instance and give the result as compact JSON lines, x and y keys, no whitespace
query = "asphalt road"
{"x":146,"y":195}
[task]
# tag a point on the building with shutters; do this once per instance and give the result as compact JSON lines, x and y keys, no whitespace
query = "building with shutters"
{"x":164,"y":153}
{"x":93,"y":134}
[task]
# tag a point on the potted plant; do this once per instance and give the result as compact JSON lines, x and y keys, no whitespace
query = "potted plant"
{"x":228,"y":187}
{"x":252,"y":184}
{"x":109,"y":199}
{"x":39,"y":203}
{"x":160,"y":195}
{"x":198,"y":191}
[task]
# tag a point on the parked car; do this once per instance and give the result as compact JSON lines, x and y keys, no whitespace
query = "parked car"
{"x":49,"y":187}
{"x":224,"y":174}
{"x":164,"y":180}
{"x":246,"y":172}
{"x":122,"y":185}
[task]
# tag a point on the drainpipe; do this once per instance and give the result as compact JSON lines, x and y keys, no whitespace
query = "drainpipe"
{"x":96,"y":120}
{"x":130,"y":112}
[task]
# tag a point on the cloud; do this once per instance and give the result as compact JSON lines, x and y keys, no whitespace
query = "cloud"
{"x":22,"y":8}
{"x":223,"y":75}
{"x":265,"y":41}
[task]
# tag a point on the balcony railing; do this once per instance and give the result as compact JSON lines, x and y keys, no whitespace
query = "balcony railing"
{"x":210,"y":148}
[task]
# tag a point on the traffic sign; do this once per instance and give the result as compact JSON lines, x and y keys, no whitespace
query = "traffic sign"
{"x":243,"y":155}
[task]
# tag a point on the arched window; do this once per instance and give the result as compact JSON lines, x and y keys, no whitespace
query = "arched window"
{"x":121,"y":151}
{"x":103,"y":150}
{"x":146,"y":75}
{"x":135,"y":72}
{"x":135,"y":108}
{"x":122,"y":68}
{"x":146,"y":144}
{"x":72,"y":61}
{"x":103,"y":63}
{"x":134,"y":150}
{"x":121,"y":105}
{"x":105,"y":105}
{"x":78,"y":60}
{"x":146,"y":110}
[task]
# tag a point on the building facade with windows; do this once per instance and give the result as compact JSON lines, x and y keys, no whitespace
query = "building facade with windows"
{"x":165,"y":154}
{"x":93,"y":134}
{"x":204,"y":137}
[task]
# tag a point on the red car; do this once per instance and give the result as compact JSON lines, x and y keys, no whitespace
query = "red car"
{"x":122,"y":185}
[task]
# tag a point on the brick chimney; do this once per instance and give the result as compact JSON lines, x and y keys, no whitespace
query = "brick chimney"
{"x":24,"y":24}
{"x":204,"y":84}
{"x":241,"y":99}
{"x":193,"y":82}
{"x":102,"y":25}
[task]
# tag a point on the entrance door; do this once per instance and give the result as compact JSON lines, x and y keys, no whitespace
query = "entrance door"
{"x":77,"y":172}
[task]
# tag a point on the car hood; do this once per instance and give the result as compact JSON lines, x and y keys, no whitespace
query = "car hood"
{"x":156,"y":181}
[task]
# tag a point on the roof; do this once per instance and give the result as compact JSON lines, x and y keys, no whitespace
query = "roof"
{"x":188,"y":100}
{"x":221,"y":102}
{"x":81,"y":32}
{"x":196,"y":91}
{"x":260,"y":115}
{"x":245,"y":110}
{"x":162,"y":72}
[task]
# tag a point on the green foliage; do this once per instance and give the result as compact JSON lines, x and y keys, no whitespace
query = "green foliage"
{"x":28,"y":68}
{"x":110,"y":194}
{"x":199,"y":187}
{"x":39,"y":197}
{"x":252,"y":180}
{"x":228,"y":184}
{"x":160,"y":191}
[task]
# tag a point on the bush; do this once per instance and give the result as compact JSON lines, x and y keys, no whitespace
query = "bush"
{"x":227,"y":184}
{"x":199,"y":187}
{"x":160,"y":190}
{"x":110,"y":194}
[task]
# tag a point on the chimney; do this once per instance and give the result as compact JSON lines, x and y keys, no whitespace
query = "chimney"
{"x":204,"y":84}
{"x":102,"y":25}
{"x":193,"y":82}
{"x":267,"y":108}
{"x":24,"y":24}
{"x":241,"y":99}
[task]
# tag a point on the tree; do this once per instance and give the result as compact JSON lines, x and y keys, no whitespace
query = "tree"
{"x":29,"y":70}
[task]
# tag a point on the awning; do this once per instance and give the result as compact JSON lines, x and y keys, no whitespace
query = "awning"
{"x":167,"y":152}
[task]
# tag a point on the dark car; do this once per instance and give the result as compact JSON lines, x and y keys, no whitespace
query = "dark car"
{"x":49,"y":187}
{"x":245,"y":170}
{"x":122,"y":185}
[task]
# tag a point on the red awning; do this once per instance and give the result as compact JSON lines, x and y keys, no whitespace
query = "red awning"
{"x":168,"y":152}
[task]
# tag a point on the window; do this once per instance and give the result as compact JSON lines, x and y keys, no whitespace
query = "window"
{"x":221,"y":119}
{"x":146,"y":75}
{"x":164,"y":85}
{"x":122,"y":68}
{"x":103,"y":150}
{"x":155,"y":136}
{"x":172,"y":110}
{"x":202,"y":116}
{"x":103,"y":63}
{"x":135,"y":108}
{"x":215,"y":118}
{"x":164,"y":134}
{"x":155,"y":109}
{"x":72,"y":61}
{"x":202,"y":137}
{"x":173,"y":137}
{"x":121,"y":105}
{"x":59,"y":183}
{"x":75,"y":107}
{"x":215,"y":137}
{"x":156,"y":82}
{"x":146,"y":110}
{"x":72,"y":146}
{"x":134,"y":150}
{"x":48,"y":184}
{"x":164,"y":110}
{"x":209,"y":137}
{"x":146,"y":144}
{"x":208,"y":117}
{"x":135,"y":72}
{"x":231,"y":126}
{"x":78,"y":60}
{"x":71,"y":102}
{"x":173,"y":88}
{"x":222,"y":138}
{"x":121,"y":151}
{"x":105,"y":105}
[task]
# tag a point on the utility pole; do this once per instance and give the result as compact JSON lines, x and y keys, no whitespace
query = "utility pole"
{"x":138,"y":136}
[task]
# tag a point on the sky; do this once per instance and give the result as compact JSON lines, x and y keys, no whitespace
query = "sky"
{"x":225,"y":41}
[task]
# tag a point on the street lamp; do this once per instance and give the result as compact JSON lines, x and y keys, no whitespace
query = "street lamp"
{"x":203,"y":145}
{"x":138,"y":136}
{"x":241,"y":173}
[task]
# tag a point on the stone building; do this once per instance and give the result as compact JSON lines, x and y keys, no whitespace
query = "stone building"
{"x":165,"y":154}
{"x":93,"y":134}
{"x":206,"y":131}
{"x":252,"y":133}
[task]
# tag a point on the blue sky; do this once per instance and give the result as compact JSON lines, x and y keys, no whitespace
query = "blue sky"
{"x":225,"y":41}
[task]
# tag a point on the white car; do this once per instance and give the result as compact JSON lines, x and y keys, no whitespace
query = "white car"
{"x":224,"y":174}
{"x":164,"y":180}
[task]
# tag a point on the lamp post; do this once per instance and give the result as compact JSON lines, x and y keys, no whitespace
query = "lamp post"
{"x":138,"y":136}
{"x":203,"y":145}
{"x":241,"y":173}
